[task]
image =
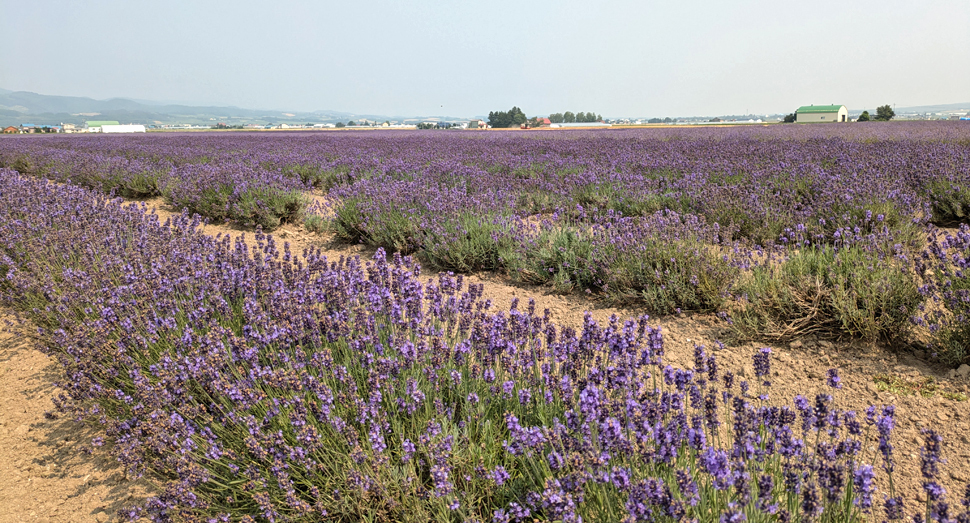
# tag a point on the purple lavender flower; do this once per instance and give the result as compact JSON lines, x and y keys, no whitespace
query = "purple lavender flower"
{"x":930,"y":455}
{"x":811,"y":505}
{"x":862,"y":481}
{"x":688,"y":487}
{"x":834,"y":380}
{"x":894,"y":508}
{"x":620,"y":478}
{"x":500,"y":475}
{"x":558,"y":502}
{"x":733,"y":514}
{"x":934,"y":491}
{"x":555,"y":460}
{"x":762,"y":362}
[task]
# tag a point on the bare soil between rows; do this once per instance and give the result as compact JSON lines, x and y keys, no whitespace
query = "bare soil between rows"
{"x":49,"y":472}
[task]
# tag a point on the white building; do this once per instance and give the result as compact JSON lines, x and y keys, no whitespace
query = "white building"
{"x":122,"y":128}
{"x":94,"y":126}
{"x":821,"y":113}
{"x":580,"y":124}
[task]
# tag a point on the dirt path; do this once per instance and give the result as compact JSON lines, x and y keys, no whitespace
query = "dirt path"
{"x":46,"y":471}
{"x":45,"y":475}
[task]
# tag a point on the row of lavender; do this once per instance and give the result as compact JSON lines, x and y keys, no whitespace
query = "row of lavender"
{"x":761,"y":180}
{"x":220,"y":188}
{"x":259,"y":385}
{"x":787,"y":229}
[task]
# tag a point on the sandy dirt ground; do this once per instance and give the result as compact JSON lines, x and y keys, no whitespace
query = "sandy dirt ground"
{"x":45,"y":475}
{"x":48,"y":470}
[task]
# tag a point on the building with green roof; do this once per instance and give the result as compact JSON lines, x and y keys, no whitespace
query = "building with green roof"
{"x":94,"y":126}
{"x":821,"y":113}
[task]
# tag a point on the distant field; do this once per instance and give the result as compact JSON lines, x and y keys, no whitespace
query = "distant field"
{"x":267,"y":384}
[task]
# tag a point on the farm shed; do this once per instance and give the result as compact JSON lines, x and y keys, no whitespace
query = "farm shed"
{"x":94,"y":126}
{"x":821,"y":113}
{"x":11,"y":130}
{"x":122,"y":128}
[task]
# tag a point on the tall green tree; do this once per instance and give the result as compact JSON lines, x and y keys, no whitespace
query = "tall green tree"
{"x":504,"y":119}
{"x":518,"y":117}
{"x":884,"y":113}
{"x":555,"y":118}
{"x":568,"y":117}
{"x":790,"y":118}
{"x":864,"y":117}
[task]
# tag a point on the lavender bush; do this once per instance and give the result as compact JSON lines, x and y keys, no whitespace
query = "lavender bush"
{"x":943,"y":266}
{"x":234,"y":191}
{"x":261,"y":385}
{"x":665,"y":262}
{"x":858,"y":283}
{"x":579,"y":210}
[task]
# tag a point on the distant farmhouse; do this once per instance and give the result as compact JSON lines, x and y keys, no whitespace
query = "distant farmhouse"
{"x":94,"y":126}
{"x":112,"y":126}
{"x":136,"y":128}
{"x":821,"y":113}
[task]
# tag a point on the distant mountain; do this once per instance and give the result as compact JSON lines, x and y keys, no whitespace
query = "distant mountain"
{"x":17,"y":107}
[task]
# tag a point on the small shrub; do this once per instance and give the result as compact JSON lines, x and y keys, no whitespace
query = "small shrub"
{"x":655,"y":262}
{"x":945,"y":269}
{"x":645,"y":205}
{"x":315,"y":223}
{"x":266,"y":207}
{"x":950,"y":202}
{"x":466,"y":243}
{"x":867,"y":217}
{"x":25,"y":164}
{"x":537,"y":202}
{"x":952,"y":343}
{"x":214,"y":203}
{"x":842,"y":292}
{"x":348,"y":222}
{"x":558,"y":255}
{"x":616,"y":197}
{"x":669,"y":276}
{"x":269,"y":207}
{"x":758,"y":226}
{"x":138,"y":184}
{"x":320,"y":176}
{"x":387,"y":227}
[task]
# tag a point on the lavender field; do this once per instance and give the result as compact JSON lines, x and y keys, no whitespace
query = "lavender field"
{"x":785,"y":230}
{"x":267,"y":385}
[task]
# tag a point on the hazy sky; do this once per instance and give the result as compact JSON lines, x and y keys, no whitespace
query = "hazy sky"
{"x":467,"y":57}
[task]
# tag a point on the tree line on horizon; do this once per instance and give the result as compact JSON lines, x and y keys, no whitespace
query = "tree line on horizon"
{"x":570,"y":117}
{"x":515,"y":117}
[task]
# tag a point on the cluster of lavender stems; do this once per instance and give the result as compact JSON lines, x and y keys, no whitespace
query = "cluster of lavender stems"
{"x":668,"y":220}
{"x":252,"y":383}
